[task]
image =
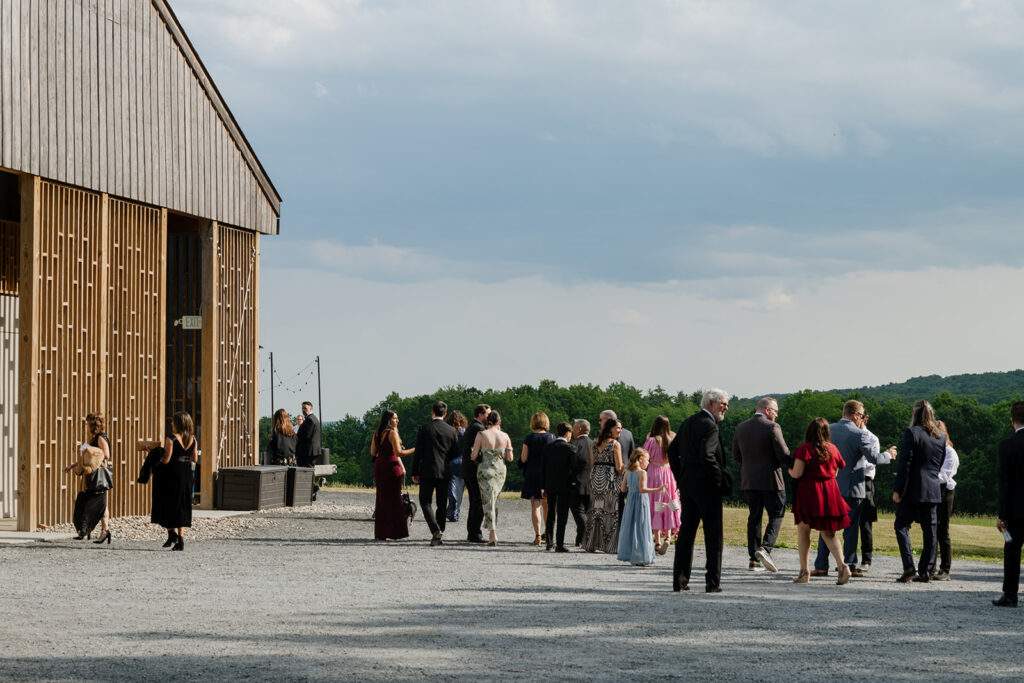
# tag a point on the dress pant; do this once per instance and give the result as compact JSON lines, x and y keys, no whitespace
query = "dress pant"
{"x":558,"y":513}
{"x":434,"y":488}
{"x":578,"y":504}
{"x":923,"y":514}
{"x":1011,"y":557}
{"x":774,"y":502}
{"x":868,"y":515}
{"x":849,"y":538}
{"x":455,"y":487}
{"x":945,"y":547}
{"x":475,"y":514}
{"x":697,"y":507}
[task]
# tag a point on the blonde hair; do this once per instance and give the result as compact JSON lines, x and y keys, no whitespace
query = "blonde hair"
{"x":540,"y":421}
{"x":942,"y":428}
{"x":634,"y":459}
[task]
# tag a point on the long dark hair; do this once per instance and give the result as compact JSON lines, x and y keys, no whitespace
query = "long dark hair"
{"x":282,"y":423}
{"x":660,"y":431}
{"x":181,"y":424}
{"x":385,"y":423}
{"x":819,"y":436}
{"x":924,"y":417}
{"x":606,"y":432}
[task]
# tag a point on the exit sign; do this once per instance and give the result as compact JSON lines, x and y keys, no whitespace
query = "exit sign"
{"x":191,"y":322}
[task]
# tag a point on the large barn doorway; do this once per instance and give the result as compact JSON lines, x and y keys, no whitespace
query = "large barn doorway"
{"x":10,"y":234}
{"x":184,"y":298}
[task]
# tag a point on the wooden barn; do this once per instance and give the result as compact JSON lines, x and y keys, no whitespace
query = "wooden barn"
{"x":131,"y":209}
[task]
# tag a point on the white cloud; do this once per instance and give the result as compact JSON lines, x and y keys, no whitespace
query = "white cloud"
{"x":320,"y":90}
{"x":374,"y":338}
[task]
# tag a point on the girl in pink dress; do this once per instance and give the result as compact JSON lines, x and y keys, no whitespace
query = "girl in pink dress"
{"x":665,"y":507}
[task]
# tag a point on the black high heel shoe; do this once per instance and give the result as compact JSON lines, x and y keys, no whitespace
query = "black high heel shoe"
{"x":179,"y":544}
{"x":172,"y":538}
{"x":80,"y":536}
{"x":104,"y":539}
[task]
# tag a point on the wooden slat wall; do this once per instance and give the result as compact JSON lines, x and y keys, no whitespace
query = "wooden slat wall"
{"x":107,"y":95}
{"x":135,"y":338}
{"x":9,"y":240}
{"x":238,"y":364}
{"x":69,"y":291}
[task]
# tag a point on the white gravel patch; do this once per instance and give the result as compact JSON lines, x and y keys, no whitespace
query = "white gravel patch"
{"x":305,"y":594}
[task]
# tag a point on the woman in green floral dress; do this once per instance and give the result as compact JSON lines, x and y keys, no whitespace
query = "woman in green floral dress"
{"x":492,"y":448}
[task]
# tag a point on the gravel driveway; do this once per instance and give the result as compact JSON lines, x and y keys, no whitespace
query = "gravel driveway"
{"x":302,"y":594}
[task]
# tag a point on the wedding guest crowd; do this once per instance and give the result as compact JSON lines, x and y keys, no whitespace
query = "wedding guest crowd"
{"x":632,"y":502}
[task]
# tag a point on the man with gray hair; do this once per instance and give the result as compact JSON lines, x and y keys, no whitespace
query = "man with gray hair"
{"x":579,"y":496}
{"x":761,"y":450}
{"x":698,"y":463}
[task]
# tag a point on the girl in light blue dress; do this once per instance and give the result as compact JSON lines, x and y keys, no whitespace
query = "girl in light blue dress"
{"x":636,"y":544}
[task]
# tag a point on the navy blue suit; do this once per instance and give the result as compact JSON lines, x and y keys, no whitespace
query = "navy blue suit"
{"x":917,"y":483}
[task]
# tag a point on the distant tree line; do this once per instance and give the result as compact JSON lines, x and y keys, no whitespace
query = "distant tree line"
{"x":975,"y":428}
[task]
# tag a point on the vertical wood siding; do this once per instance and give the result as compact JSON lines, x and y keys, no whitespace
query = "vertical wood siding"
{"x":9,"y":236}
{"x":107,"y":95}
{"x":238,"y":364}
{"x":135,"y":373}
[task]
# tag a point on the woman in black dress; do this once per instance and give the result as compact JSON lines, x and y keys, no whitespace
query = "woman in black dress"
{"x":532,"y":458}
{"x":282,"y":440}
{"x":172,"y":481}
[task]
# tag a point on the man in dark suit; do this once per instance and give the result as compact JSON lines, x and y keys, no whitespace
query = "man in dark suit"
{"x":437,"y":443}
{"x":761,"y":450}
{"x":307,"y":444}
{"x":559,"y":481}
{"x":1011,"y":505}
{"x":916,"y":491}
{"x":475,"y":515}
{"x":698,"y":463}
{"x":579,"y":496}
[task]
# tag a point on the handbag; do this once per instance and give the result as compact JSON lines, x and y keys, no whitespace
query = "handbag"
{"x":408,"y":504}
{"x":102,"y":479}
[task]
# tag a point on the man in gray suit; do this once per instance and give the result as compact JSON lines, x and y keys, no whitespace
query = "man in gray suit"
{"x":579,"y":497}
{"x":761,"y":450}
{"x":858,"y":449}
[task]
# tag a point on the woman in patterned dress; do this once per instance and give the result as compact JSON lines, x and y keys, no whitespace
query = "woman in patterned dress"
{"x":492,"y":449}
{"x":605,"y":479}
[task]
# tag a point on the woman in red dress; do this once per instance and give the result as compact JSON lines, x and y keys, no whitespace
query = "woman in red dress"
{"x":389,"y":520}
{"x":817,"y":503}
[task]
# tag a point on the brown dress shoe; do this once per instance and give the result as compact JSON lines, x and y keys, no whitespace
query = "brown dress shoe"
{"x":819,"y":572}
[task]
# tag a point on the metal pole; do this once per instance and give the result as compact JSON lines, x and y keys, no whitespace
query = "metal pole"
{"x":271,"y":384}
{"x":319,"y":396}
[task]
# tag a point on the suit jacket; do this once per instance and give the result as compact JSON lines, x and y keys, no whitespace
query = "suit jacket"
{"x":1011,"y":477}
{"x":917,"y":475}
{"x":152,"y":461}
{"x":307,"y":445}
{"x":858,"y":449}
{"x":627,"y":443}
{"x":468,"y":439}
{"x":697,"y":457}
{"x":559,"y":467}
{"x":583,"y":446}
{"x":437,"y":442}
{"x":761,"y":450}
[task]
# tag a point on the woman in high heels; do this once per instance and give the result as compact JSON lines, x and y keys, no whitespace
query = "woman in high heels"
{"x":172,"y":481}
{"x":93,"y":460}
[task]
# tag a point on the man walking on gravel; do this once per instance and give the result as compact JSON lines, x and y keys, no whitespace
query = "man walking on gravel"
{"x":1011,"y":505}
{"x":436,"y":444}
{"x":761,"y":450}
{"x":475,"y":515}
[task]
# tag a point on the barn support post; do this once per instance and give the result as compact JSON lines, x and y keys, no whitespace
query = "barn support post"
{"x":28,"y":359}
{"x":210,"y":429}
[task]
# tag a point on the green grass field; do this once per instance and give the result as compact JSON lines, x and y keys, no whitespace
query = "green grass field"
{"x":973,"y":538}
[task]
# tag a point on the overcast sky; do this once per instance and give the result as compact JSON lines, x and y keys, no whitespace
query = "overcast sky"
{"x":761,"y":196}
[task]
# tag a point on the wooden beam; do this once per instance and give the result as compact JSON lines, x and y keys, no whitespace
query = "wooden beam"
{"x":255,"y":369}
{"x":28,"y":355}
{"x":209,"y":441}
{"x":162,"y":317}
{"x":103,"y":304}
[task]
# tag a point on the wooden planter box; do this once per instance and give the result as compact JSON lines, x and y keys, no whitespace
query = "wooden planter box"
{"x":252,"y":488}
{"x":300,"y":486}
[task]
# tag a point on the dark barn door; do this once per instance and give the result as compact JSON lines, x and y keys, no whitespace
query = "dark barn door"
{"x":184,"y":298}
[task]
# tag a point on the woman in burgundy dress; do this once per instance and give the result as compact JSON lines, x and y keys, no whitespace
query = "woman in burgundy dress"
{"x":389,"y":520}
{"x":817,"y":503}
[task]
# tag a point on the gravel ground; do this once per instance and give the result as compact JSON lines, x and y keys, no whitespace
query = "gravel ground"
{"x":304,"y":594}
